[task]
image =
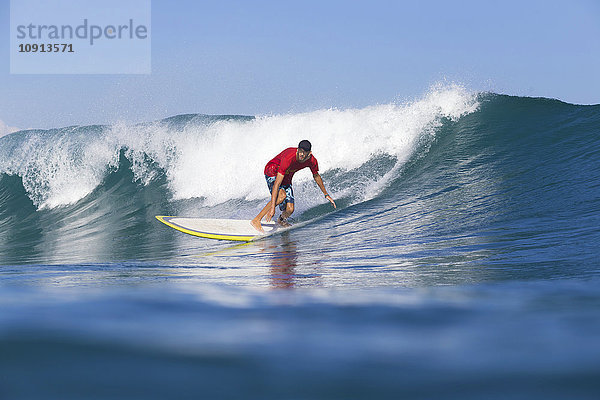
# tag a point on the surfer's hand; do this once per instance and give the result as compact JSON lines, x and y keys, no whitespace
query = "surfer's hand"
{"x":270,"y":213}
{"x":328,"y":197}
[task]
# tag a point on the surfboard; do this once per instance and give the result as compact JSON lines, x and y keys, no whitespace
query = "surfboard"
{"x":220,"y":229}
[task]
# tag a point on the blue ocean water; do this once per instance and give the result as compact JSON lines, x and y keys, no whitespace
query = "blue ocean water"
{"x":461,"y":262}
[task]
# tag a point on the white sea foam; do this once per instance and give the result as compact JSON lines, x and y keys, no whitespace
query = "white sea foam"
{"x":224,"y":160}
{"x":5,"y":129}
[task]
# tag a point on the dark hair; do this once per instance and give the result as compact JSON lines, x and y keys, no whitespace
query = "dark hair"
{"x":305,"y":145}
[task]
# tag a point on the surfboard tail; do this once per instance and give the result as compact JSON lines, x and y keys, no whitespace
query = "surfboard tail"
{"x":219,"y":229}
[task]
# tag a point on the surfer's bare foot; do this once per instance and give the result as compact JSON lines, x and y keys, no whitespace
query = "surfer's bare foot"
{"x":257,"y":225}
{"x":283,"y":222}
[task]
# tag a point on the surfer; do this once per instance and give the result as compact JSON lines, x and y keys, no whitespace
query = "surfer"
{"x":279,"y":172}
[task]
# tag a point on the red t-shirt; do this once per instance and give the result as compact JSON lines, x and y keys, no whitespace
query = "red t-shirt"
{"x":286,"y":164}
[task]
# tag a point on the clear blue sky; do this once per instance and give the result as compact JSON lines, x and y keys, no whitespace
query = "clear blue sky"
{"x":261,"y":57}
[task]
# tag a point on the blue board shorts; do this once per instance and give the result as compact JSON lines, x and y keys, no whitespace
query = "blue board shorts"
{"x":289,"y":192}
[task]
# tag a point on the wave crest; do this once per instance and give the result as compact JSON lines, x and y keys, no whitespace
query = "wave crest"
{"x":219,"y":158}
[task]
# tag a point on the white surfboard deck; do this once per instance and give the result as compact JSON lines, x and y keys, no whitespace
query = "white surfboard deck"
{"x":220,"y":229}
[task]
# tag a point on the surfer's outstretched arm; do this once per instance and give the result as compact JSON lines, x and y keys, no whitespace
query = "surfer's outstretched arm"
{"x":274,"y":194}
{"x":319,"y":181}
{"x":269,"y":209}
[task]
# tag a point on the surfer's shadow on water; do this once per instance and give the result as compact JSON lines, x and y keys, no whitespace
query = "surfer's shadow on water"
{"x":278,"y":253}
{"x":284,"y":265}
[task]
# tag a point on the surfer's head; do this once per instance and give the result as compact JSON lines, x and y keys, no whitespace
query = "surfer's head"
{"x":305,"y":145}
{"x":303,"y":152}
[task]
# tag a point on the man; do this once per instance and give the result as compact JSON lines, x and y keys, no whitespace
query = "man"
{"x":279,"y":172}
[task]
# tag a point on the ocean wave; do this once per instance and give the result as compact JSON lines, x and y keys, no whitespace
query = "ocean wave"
{"x":451,"y":179}
{"x":220,"y":158}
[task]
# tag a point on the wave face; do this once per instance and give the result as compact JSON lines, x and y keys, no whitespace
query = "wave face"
{"x":454,"y":178}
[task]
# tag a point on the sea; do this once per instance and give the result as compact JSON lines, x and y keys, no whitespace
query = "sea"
{"x":462,"y":260}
